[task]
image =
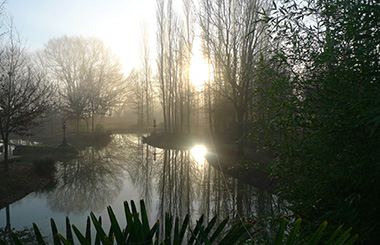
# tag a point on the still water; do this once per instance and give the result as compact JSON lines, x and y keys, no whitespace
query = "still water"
{"x":174,"y":181}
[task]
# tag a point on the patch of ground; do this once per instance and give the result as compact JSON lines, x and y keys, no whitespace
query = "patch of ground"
{"x":19,"y":182}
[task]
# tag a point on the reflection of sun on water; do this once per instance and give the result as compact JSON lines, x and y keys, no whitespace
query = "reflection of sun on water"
{"x":198,"y":153}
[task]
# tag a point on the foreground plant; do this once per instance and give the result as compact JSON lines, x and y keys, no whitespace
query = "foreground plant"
{"x":138,"y":231}
{"x":338,"y":237}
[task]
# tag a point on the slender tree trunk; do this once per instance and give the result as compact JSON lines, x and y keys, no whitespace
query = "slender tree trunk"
{"x":6,"y":145}
{"x":8,"y":217}
{"x":240,"y":133}
{"x":92,"y":121}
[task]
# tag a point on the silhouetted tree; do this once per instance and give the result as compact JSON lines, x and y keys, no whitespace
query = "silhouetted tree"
{"x":175,"y":36}
{"x":234,"y":41}
{"x":24,"y":91}
{"x":160,"y":15}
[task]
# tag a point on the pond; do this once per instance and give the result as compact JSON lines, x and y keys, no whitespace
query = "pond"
{"x":175,"y":181}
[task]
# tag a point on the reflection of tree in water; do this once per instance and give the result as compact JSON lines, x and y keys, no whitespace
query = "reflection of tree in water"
{"x":183,"y":186}
{"x":139,"y":161}
{"x":178,"y":180}
{"x":186,"y":187}
{"x":89,"y":182}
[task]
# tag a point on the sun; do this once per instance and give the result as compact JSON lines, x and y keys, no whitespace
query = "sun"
{"x":199,"y":71}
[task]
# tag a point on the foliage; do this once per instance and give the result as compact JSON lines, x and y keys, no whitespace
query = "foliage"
{"x":337,"y":237}
{"x":138,"y":231}
{"x":319,"y":100}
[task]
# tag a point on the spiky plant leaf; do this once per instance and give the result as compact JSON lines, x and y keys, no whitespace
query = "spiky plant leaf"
{"x":236,"y":232}
{"x":280,"y":233}
{"x":99,"y":230}
{"x":54,"y":232}
{"x":176,"y":231}
{"x":128,"y":216}
{"x":210,"y":225}
{"x":202,"y":235}
{"x":185,"y":223}
{"x":137,"y":223}
{"x":318,"y":234}
{"x":88,"y":229}
{"x":15,"y":238}
{"x":97,"y":240}
{"x":82,"y":239}
{"x":219,"y":229}
{"x":152,"y":231}
{"x":69,"y":234}
{"x":115,"y":226}
{"x":144,"y":217}
{"x":334,"y":235}
{"x":63,"y":240}
{"x":293,"y":233}
{"x":344,"y":237}
{"x":195,"y":232}
{"x":168,"y":228}
{"x":352,"y":240}
{"x":39,"y":237}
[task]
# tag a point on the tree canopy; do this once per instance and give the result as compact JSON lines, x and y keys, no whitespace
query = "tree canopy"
{"x":25,"y":93}
{"x":88,"y":74}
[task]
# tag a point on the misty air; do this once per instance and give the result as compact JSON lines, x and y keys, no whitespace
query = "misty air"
{"x":189,"y":122}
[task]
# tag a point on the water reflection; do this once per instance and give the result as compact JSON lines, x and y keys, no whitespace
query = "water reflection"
{"x":186,"y":184}
{"x":176,"y":181}
{"x":89,"y":182}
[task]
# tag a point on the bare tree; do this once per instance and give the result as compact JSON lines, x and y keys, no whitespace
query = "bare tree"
{"x":88,"y":74}
{"x":175,"y":36}
{"x":160,"y":15}
{"x":147,"y":74}
{"x":188,"y":38}
{"x":234,"y":41}
{"x":24,"y":92}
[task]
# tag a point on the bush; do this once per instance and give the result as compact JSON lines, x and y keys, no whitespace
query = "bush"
{"x":319,"y":111}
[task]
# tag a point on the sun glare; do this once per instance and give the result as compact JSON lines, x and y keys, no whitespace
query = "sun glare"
{"x":199,"y":71}
{"x":198,"y":153}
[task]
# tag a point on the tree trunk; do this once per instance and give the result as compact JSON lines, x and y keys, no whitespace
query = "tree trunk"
{"x":6,"y":145}
{"x":8,"y":217}
{"x":92,"y":121}
{"x":240,"y":133}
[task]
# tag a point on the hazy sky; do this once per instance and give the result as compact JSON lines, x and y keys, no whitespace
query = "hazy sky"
{"x":117,"y":22}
